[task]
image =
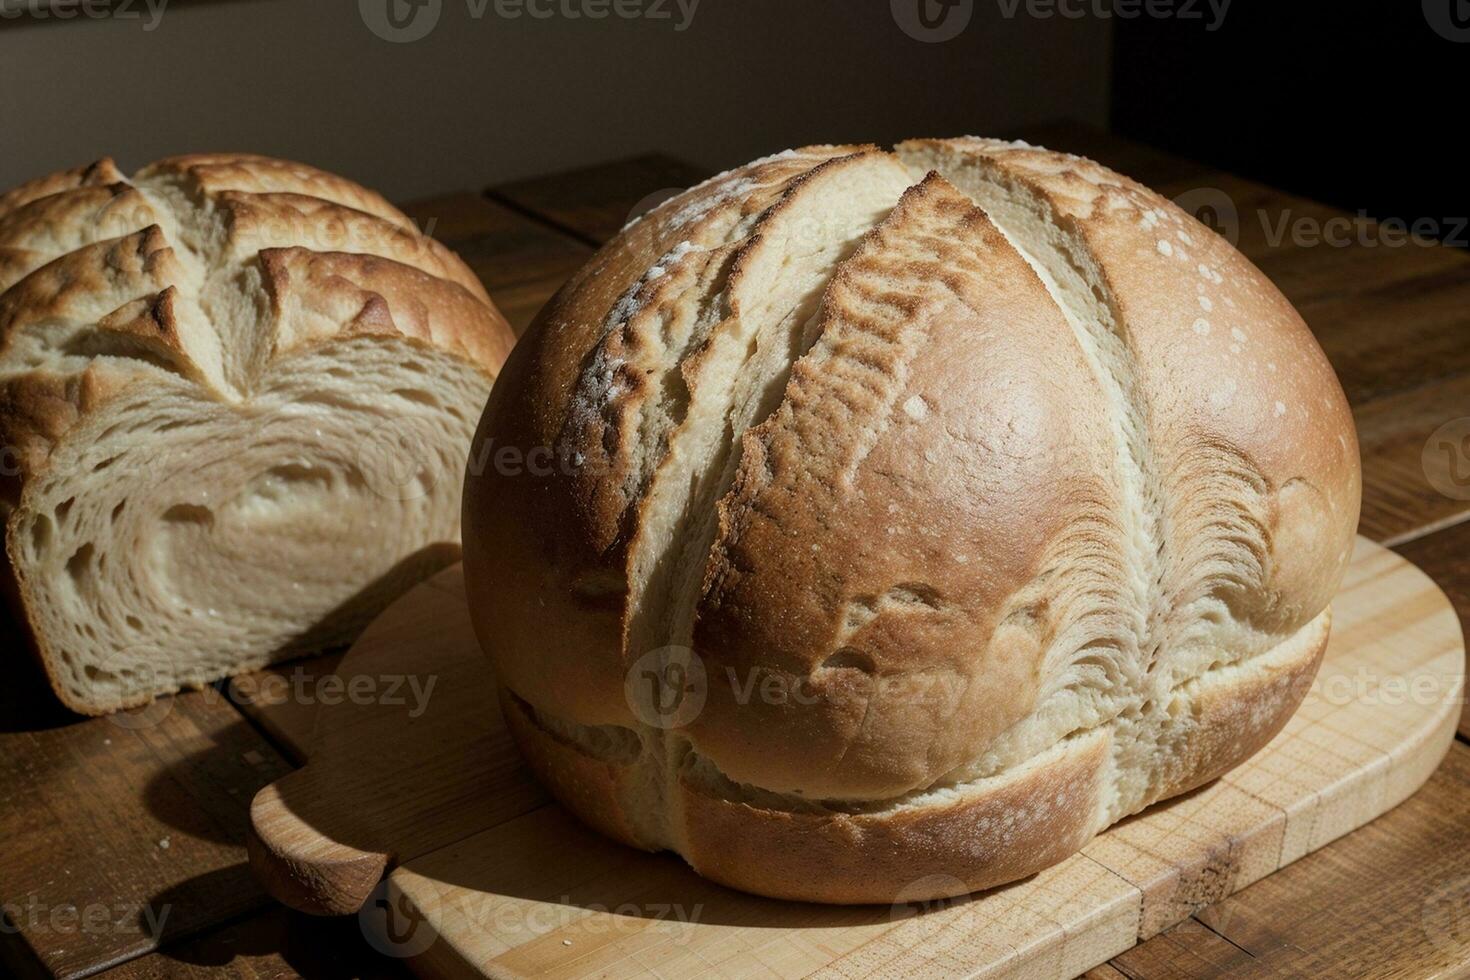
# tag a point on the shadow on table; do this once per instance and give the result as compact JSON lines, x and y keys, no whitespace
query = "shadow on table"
{"x":264,"y":943}
{"x":27,"y":703}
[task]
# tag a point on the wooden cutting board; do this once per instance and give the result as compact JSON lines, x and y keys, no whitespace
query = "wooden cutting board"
{"x":416,"y":773}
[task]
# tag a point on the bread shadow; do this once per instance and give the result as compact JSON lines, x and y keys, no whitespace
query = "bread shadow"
{"x":240,"y":755}
{"x":268,"y":939}
{"x":27,"y":703}
{"x":339,"y":627}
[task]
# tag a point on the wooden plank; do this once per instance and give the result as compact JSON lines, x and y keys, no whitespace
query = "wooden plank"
{"x":1445,"y":557}
{"x":593,"y":203}
{"x":1384,"y":643}
{"x":1105,"y":971}
{"x":520,"y":261}
{"x":283,"y":700}
{"x":270,"y":945}
{"x":1190,"y":949}
{"x":1195,"y":950}
{"x":1207,"y":845}
{"x":1405,"y":331}
{"x":1415,"y":460}
{"x":120,"y":833}
{"x":589,"y":907}
{"x":512,"y":887}
{"x":1388,"y":901}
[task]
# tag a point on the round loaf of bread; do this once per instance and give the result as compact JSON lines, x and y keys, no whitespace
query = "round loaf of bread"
{"x":866,"y":524}
{"x":236,"y":396}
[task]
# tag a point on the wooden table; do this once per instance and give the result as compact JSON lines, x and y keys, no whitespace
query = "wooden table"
{"x":121,"y":848}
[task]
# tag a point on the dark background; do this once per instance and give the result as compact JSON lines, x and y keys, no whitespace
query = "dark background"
{"x":1357,"y":105}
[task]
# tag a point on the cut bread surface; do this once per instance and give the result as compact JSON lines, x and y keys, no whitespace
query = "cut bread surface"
{"x":926,"y":527}
{"x":236,"y":393}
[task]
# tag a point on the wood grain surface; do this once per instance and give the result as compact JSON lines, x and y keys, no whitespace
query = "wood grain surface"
{"x":1445,"y":557}
{"x":520,"y":261}
{"x":1364,"y":302}
{"x":270,"y":945}
{"x":1396,"y":903}
{"x":118,"y":834}
{"x":508,"y":885}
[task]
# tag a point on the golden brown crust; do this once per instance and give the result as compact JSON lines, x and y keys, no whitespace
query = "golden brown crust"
{"x":129,"y":287}
{"x":697,"y":226}
{"x":590,"y":787}
{"x":117,"y":285}
{"x":258,"y":221}
{"x":41,"y":230}
{"x":1235,"y":718}
{"x":215,"y":173}
{"x":1012,"y":827}
{"x":95,"y":280}
{"x":975,"y":837}
{"x":100,"y":174}
{"x":38,"y":409}
{"x":318,"y":296}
